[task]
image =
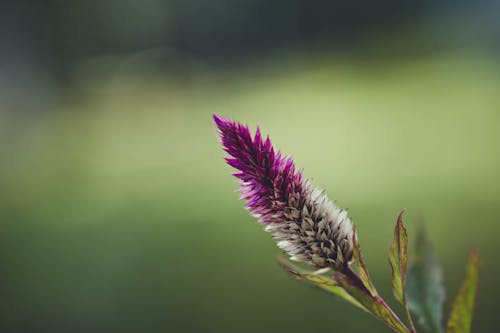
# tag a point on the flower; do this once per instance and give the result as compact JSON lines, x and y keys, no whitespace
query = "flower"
{"x":306,"y":225}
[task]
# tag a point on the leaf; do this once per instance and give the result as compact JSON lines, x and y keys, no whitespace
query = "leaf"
{"x":425,"y":292}
{"x":463,"y":306}
{"x":361,"y":266}
{"x":320,"y":281}
{"x":374,"y":304}
{"x":398,"y":260}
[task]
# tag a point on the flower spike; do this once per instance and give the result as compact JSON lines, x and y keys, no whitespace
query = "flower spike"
{"x":306,"y":225}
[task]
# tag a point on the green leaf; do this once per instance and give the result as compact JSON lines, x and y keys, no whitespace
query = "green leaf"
{"x":425,"y":292}
{"x":398,"y":260}
{"x":374,"y":304}
{"x":361,"y":266}
{"x":320,"y":281}
{"x":463,"y":306}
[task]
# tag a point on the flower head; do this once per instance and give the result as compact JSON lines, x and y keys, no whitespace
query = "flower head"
{"x":306,"y":225}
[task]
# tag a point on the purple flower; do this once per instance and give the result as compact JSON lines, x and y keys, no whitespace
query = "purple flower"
{"x":306,"y":225}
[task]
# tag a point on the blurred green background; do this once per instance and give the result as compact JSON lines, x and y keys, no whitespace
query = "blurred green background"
{"x":118,"y":213}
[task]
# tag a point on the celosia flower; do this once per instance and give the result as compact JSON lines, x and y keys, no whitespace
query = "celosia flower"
{"x":306,"y":225}
{"x":312,"y":229}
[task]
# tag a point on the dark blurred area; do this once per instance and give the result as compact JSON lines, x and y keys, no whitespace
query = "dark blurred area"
{"x":46,"y":40}
{"x":117,"y":212}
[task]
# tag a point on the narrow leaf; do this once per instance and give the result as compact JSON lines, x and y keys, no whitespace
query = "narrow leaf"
{"x":463,"y":306}
{"x":375,"y":305}
{"x":398,"y":259}
{"x":361,"y":266}
{"x":323,"y":282}
{"x":425,"y":292}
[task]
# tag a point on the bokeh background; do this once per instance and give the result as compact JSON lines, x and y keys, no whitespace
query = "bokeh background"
{"x":117,"y":212}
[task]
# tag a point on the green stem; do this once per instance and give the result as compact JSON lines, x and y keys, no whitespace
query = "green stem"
{"x":394,"y":317}
{"x":410,"y":320}
{"x":387,"y":317}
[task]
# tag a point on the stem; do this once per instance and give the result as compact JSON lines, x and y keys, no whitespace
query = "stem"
{"x":388,"y":318}
{"x":394,"y":316}
{"x":410,"y":320}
